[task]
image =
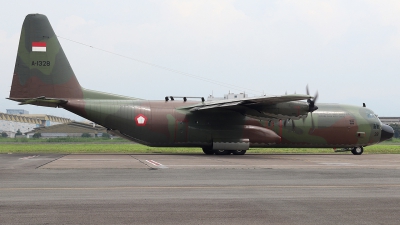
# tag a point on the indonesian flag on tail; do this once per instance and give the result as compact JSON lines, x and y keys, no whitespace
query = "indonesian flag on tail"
{"x":38,"y":46}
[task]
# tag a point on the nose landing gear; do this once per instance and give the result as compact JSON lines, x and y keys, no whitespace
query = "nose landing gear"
{"x":356,"y":150}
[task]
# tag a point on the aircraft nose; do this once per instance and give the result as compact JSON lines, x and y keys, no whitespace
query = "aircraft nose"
{"x":387,"y":132}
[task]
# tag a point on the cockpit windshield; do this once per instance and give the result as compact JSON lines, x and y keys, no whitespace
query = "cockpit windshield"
{"x":371,"y":115}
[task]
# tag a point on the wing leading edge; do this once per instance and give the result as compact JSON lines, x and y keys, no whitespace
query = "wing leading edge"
{"x":278,"y":107}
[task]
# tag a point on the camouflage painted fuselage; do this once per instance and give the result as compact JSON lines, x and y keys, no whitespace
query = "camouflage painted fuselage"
{"x":335,"y":125}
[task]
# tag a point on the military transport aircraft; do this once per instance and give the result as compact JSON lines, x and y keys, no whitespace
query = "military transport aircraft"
{"x":44,"y":77}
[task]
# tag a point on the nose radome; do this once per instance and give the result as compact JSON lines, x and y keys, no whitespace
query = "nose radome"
{"x":387,"y":132}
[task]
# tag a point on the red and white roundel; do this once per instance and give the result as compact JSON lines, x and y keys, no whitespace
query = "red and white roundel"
{"x":141,"y":120}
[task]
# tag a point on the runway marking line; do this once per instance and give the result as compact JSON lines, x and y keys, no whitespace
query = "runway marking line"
{"x":30,"y":157}
{"x":154,"y":163}
{"x":204,"y":187}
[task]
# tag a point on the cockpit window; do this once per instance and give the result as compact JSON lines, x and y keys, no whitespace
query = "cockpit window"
{"x":371,"y":115}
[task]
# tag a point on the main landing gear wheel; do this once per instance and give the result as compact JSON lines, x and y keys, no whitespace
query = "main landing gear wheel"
{"x":357,"y":150}
{"x":239,"y":152}
{"x":208,"y":151}
{"x":222,"y":152}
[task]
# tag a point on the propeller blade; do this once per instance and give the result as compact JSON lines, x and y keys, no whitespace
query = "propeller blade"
{"x":293,"y":125}
{"x":311,"y":101}
{"x":315,"y":97}
{"x":284,"y":123}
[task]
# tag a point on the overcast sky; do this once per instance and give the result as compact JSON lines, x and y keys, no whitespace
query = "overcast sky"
{"x":347,"y":50}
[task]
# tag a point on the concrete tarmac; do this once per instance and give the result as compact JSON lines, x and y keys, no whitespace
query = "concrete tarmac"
{"x":199,"y":189}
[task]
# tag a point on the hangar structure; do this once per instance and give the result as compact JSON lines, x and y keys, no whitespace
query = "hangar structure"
{"x":24,"y":122}
{"x":71,"y":129}
{"x":390,"y":120}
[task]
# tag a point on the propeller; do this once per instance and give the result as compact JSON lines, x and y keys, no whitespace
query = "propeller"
{"x":311,"y":105}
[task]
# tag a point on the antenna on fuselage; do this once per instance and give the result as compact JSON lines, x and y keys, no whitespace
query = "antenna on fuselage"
{"x":184,"y":98}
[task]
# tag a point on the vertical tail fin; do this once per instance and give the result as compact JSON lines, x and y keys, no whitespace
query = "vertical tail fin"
{"x":41,"y":69}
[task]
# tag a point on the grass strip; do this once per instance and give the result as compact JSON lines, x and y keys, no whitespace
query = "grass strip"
{"x":123,"y":148}
{"x":61,"y":139}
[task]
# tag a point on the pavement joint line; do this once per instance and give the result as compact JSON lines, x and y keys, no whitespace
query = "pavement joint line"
{"x":95,"y":159}
{"x":51,"y":161}
{"x":205,"y":187}
{"x":141,"y":162}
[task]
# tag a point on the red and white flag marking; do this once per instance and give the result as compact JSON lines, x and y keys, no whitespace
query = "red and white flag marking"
{"x":38,"y":46}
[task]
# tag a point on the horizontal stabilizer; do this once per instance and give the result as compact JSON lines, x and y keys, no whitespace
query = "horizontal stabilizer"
{"x":41,"y":101}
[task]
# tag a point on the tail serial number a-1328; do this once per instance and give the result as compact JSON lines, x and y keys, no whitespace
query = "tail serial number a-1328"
{"x":44,"y":77}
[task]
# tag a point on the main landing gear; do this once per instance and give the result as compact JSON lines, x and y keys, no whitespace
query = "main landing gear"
{"x":209,"y":151}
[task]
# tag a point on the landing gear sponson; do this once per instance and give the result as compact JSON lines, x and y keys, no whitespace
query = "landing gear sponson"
{"x":209,"y":151}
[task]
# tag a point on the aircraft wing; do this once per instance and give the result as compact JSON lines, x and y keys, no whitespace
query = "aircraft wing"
{"x":259,"y":107}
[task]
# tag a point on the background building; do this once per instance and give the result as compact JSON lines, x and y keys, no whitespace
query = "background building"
{"x":228,"y":96}
{"x":71,"y":129}
{"x":24,"y":122}
{"x":17,"y":111}
{"x":390,"y":120}
{"x":48,"y":120}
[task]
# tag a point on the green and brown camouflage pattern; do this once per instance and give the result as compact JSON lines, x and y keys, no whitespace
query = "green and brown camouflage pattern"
{"x":275,"y":121}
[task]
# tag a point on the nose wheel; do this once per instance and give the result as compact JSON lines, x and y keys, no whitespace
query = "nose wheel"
{"x":357,"y":150}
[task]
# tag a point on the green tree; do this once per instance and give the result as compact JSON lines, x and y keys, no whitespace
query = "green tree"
{"x":37,"y":135}
{"x":86,"y":135}
{"x":105,"y":135}
{"x":18,"y":132}
{"x":4,"y":134}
